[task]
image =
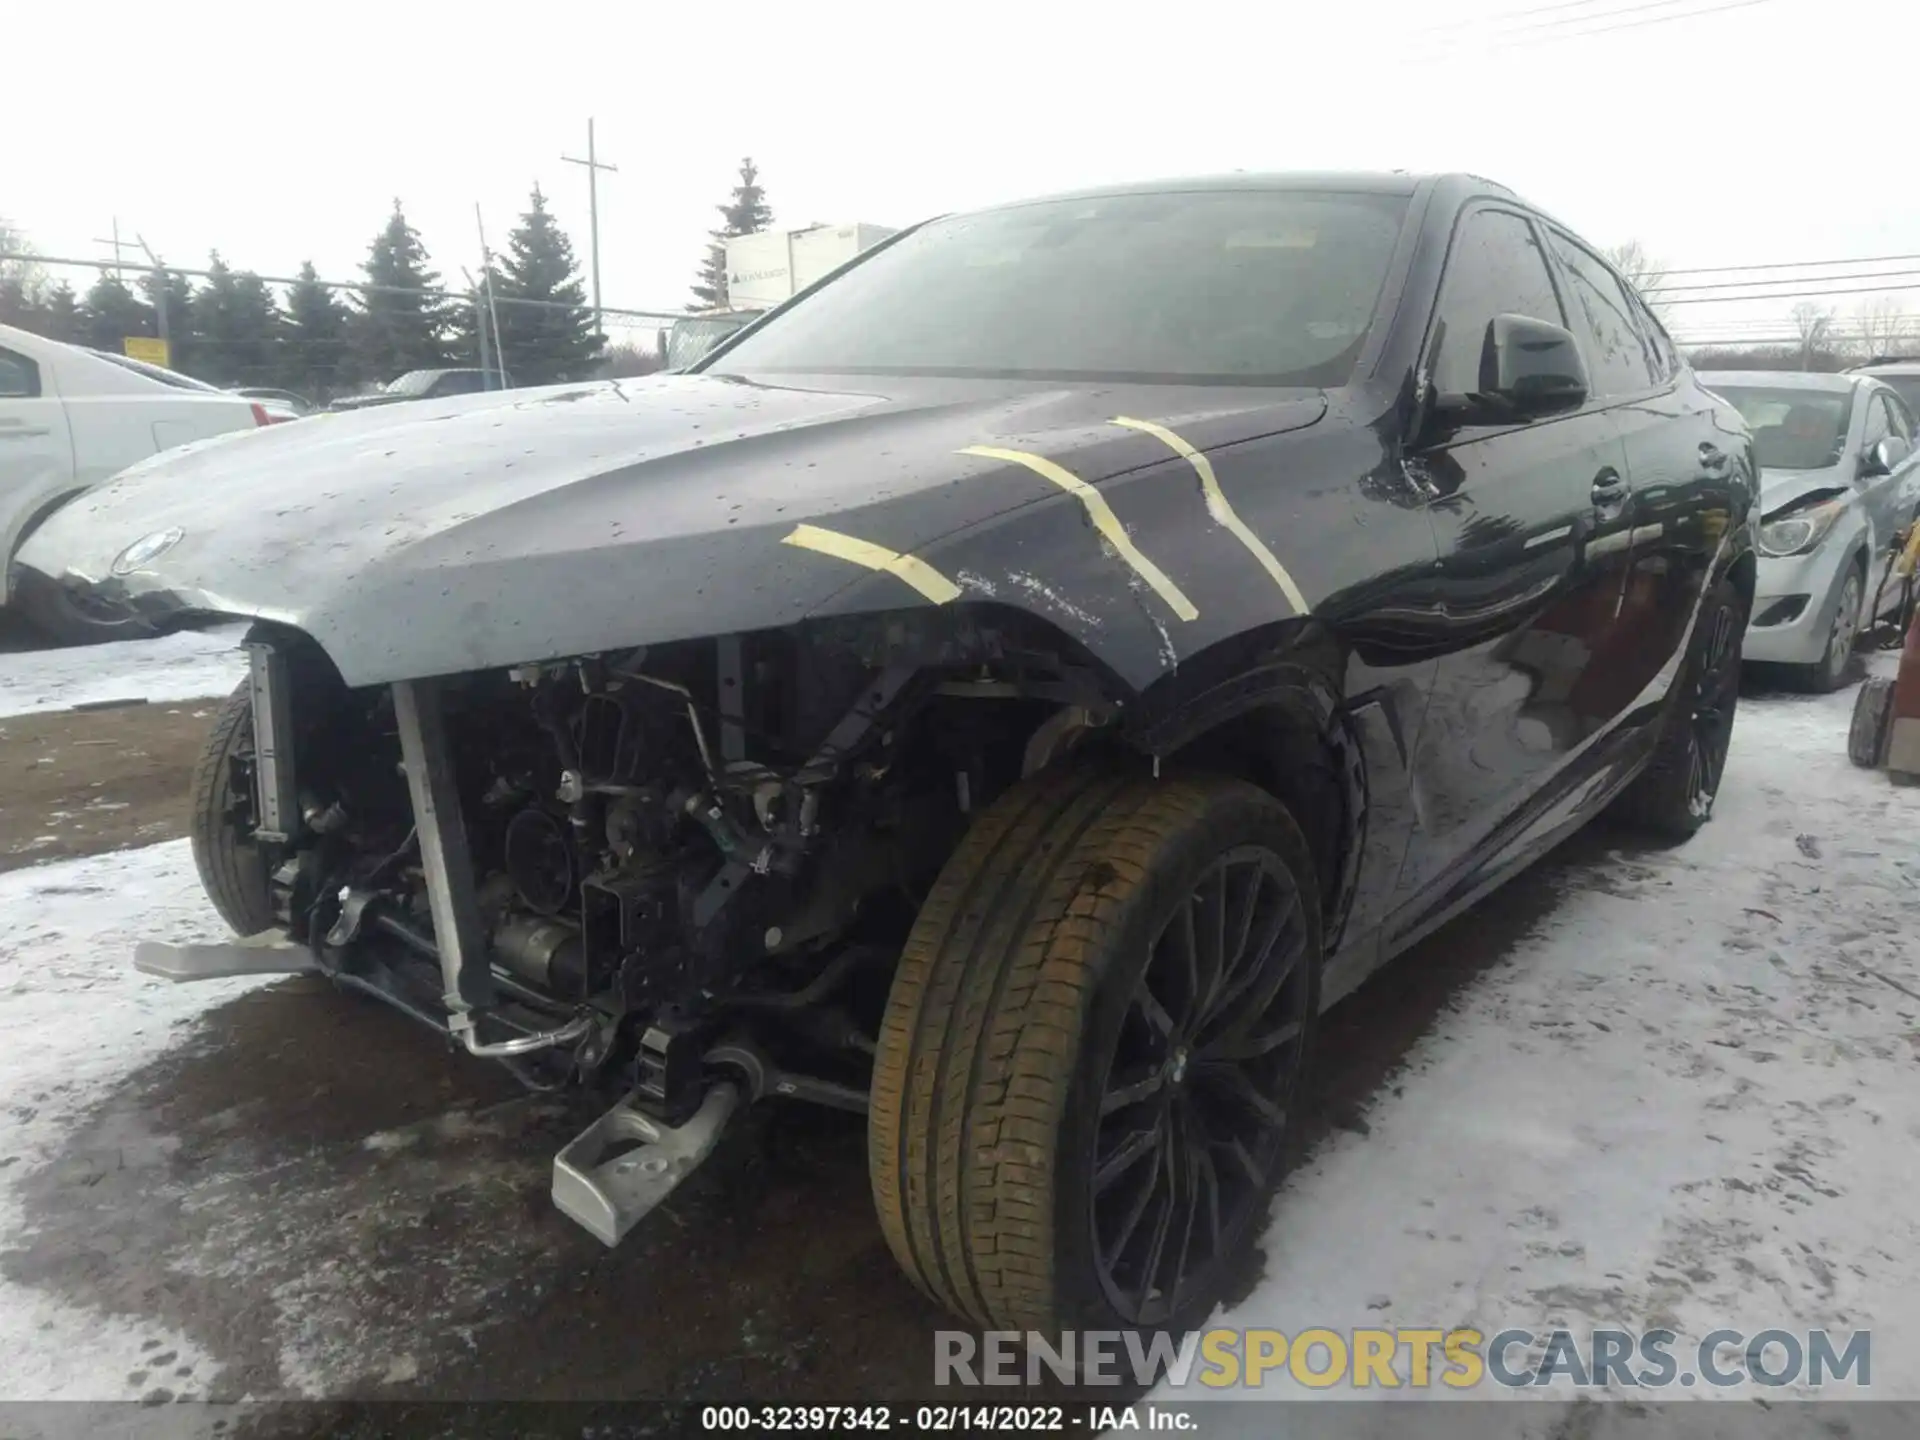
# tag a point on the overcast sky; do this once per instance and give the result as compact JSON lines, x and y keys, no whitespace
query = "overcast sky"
{"x":1772,"y":130}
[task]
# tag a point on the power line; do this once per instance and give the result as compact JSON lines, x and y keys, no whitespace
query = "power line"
{"x":1563,"y":27}
{"x":1664,"y":19}
{"x":1575,"y":20}
{"x":1494,"y":22}
{"x":1507,"y":15}
{"x":1783,"y":280}
{"x":1791,"y":295}
{"x":1785,"y":265}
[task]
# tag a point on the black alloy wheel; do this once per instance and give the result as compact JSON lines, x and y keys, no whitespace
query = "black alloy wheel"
{"x":1673,"y":795}
{"x":1205,"y":1071}
{"x":1716,"y":692}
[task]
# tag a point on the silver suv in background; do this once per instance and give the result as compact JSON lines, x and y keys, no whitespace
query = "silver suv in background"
{"x":1838,"y":478}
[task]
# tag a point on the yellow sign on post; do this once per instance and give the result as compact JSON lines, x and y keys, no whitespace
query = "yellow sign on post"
{"x":154,"y":352}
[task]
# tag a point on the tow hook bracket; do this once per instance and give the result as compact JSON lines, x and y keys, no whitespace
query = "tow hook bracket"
{"x":621,"y":1167}
{"x":268,"y":953}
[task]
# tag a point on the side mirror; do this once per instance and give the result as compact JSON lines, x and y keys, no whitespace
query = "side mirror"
{"x":1883,"y":457}
{"x":1531,"y":367}
{"x":1528,"y":368}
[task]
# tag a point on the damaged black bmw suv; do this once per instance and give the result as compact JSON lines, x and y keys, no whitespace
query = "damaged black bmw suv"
{"x":1009,"y":691}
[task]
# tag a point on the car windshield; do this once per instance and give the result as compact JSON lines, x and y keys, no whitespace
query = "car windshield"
{"x":1793,"y":429}
{"x":414,"y":382}
{"x":157,"y":373}
{"x":1255,"y":287}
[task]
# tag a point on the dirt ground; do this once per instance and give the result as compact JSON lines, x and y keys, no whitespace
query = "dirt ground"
{"x":308,"y":1159}
{"x":85,"y":782}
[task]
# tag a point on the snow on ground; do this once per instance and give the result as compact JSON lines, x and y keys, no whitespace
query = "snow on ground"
{"x":183,"y":666}
{"x":75,"y":1019}
{"x":1686,"y":1100}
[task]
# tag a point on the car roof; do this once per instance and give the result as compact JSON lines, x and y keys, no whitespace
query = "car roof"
{"x":1374,"y":182}
{"x":1888,"y":367}
{"x":1781,"y":379}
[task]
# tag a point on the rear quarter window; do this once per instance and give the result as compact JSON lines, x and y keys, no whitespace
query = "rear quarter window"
{"x":19,"y":377}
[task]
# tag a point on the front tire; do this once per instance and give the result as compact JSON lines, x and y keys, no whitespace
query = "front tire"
{"x":233,"y":871}
{"x":56,"y":614}
{"x":1829,"y":672}
{"x":1089,"y":1068}
{"x":1674,"y":795}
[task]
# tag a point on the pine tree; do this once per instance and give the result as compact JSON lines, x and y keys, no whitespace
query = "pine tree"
{"x":710,"y":286}
{"x":746,"y":214}
{"x":178,"y":290}
{"x":110,"y":313}
{"x":215,"y":316}
{"x":26,"y":279}
{"x":464,"y":341}
{"x":237,"y":327}
{"x":62,"y":314}
{"x":393,"y":333}
{"x":18,"y":308}
{"x":313,"y":347}
{"x":552,"y":339}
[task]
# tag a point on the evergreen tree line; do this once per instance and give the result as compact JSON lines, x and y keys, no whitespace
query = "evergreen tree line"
{"x":233,"y":328}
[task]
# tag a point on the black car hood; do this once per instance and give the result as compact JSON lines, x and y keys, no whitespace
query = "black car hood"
{"x":486,"y":530}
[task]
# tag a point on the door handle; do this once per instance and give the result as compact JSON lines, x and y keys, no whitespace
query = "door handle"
{"x":12,"y":432}
{"x":1610,"y":491}
{"x":1712,"y":456}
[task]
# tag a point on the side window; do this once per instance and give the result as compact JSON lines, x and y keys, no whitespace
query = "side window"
{"x":457,"y":385}
{"x":1902,"y":417}
{"x":1615,"y":354}
{"x":1879,"y":423}
{"x":1660,"y":352}
{"x":1495,"y":268}
{"x":19,"y":377}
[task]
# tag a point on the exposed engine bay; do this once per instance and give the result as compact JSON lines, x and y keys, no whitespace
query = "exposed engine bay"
{"x":646,"y":870}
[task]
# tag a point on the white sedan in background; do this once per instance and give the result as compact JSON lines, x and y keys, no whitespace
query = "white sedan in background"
{"x":71,"y":418}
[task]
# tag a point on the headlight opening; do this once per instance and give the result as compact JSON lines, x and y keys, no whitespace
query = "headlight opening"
{"x":1799,"y":532}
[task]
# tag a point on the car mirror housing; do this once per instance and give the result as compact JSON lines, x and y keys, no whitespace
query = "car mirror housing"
{"x":1528,"y":368}
{"x":1884,"y":456}
{"x":1531,"y":367}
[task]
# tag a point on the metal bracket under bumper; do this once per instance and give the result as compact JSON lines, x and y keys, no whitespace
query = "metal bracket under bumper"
{"x":626,"y":1163}
{"x":268,"y":953}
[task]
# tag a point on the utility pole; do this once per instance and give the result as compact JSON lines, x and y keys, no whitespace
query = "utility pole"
{"x":594,"y":166}
{"x":116,"y":242}
{"x":159,"y":293}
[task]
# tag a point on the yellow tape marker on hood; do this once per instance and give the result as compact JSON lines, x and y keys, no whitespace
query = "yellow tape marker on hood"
{"x":1104,"y":520}
{"x":916,"y":572}
{"x":1222,"y":512}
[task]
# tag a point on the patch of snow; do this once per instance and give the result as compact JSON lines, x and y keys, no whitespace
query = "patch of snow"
{"x":184,"y":666}
{"x":75,"y":1017}
{"x":1685,"y":1100}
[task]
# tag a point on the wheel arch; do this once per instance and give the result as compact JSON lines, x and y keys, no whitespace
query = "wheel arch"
{"x":38,"y":516}
{"x":1267,"y":708}
{"x":1744,"y":572}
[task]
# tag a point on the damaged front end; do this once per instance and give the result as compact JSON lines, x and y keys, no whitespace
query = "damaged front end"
{"x":678,"y":874}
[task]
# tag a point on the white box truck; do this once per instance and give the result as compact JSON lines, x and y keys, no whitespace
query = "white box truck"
{"x":762,"y":271}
